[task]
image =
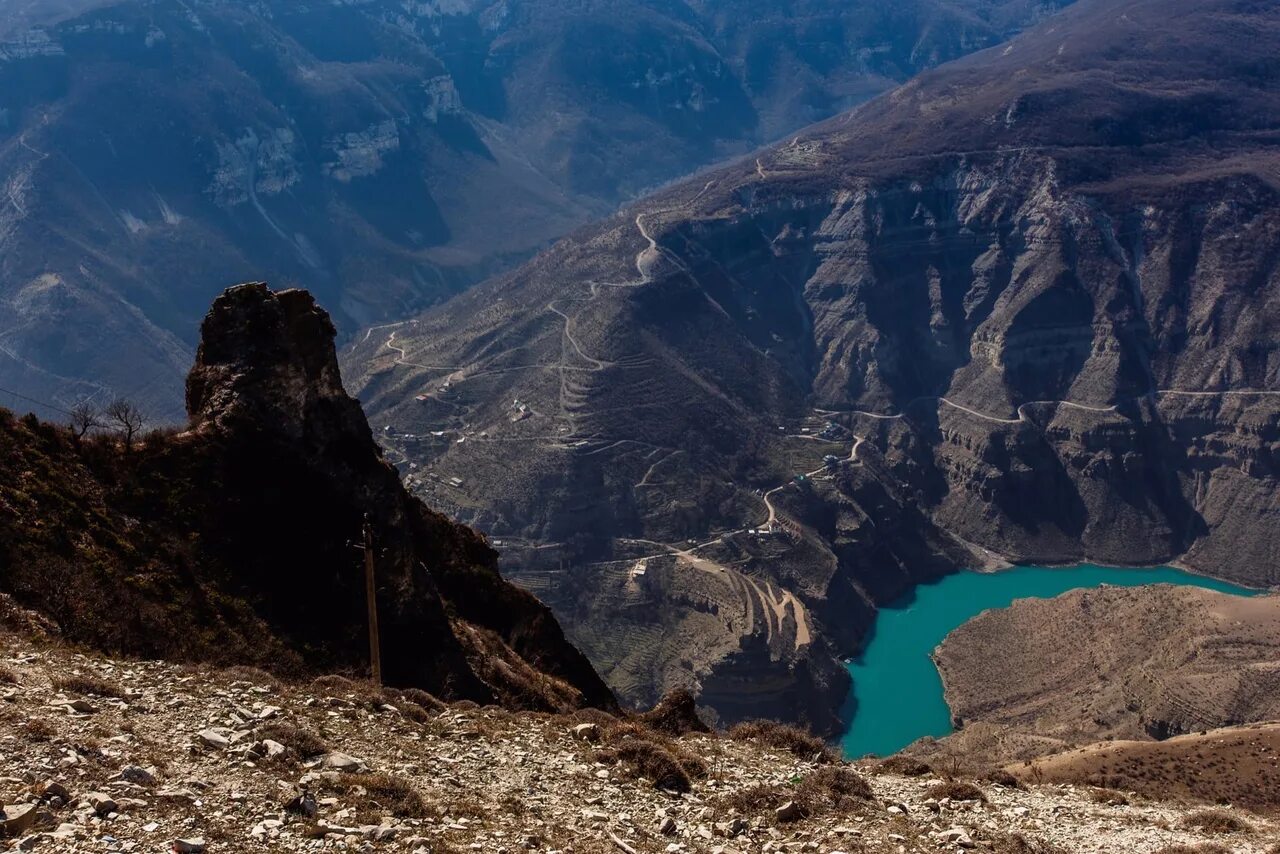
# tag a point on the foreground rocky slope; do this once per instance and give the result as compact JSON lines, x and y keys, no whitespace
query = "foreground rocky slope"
{"x":143,"y":755}
{"x":383,"y":154}
{"x":1112,"y":663}
{"x":232,"y":542}
{"x":1019,"y":309}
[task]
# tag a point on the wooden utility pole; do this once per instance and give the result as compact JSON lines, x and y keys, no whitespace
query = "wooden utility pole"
{"x":371,"y":597}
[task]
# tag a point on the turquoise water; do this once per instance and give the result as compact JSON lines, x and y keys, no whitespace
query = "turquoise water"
{"x":896,"y":688}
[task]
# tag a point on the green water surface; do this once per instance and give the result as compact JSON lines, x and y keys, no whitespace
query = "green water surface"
{"x":897,"y":692}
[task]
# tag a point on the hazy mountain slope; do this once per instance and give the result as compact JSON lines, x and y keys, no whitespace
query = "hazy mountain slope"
{"x":1022,"y":306}
{"x":383,"y":154}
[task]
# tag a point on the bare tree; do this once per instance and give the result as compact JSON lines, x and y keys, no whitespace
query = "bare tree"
{"x":84,"y":418}
{"x":127,"y":418}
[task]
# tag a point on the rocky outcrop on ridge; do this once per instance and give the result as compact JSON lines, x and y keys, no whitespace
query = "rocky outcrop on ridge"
{"x":234,"y":541}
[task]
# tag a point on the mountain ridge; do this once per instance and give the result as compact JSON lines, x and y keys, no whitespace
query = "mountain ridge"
{"x":383,"y":155}
{"x":895,"y":362}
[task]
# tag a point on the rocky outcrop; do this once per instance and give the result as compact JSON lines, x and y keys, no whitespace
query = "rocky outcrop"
{"x":250,"y":521}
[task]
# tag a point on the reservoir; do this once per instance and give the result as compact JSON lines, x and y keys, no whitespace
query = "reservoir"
{"x":897,"y":691}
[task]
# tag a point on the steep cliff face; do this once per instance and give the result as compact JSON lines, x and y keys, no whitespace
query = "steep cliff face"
{"x":1019,"y":308}
{"x":233,"y":541}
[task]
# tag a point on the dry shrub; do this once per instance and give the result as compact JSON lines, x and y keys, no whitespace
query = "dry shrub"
{"x":465,"y":706}
{"x":1016,"y":843}
{"x":361,"y":693}
{"x":906,"y":766}
{"x":1202,"y":848}
{"x":1002,"y":778}
{"x":385,"y":793}
{"x":252,"y":675}
{"x":760,"y":799}
{"x":38,"y":730}
{"x":835,"y":787}
{"x":1109,"y":797}
{"x":642,"y":758}
{"x":88,"y":684}
{"x":1216,"y":821}
{"x":302,"y":742}
{"x":8,"y":675}
{"x":676,"y":714}
{"x":780,"y":736}
{"x":956,"y":791}
{"x":421,"y":698}
{"x":832,"y":789}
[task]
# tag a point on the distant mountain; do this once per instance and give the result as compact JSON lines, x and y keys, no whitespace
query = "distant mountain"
{"x":1021,"y":308}
{"x":385,"y":154}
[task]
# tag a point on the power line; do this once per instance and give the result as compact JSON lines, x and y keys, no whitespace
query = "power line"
{"x":43,"y":403}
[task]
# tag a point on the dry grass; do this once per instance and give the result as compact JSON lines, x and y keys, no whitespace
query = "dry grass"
{"x":383,"y":794}
{"x":827,"y":790}
{"x":302,"y":742}
{"x":956,"y":791}
{"x":1002,"y":778}
{"x":906,"y":766}
{"x":794,"y":740}
{"x":836,"y":788}
{"x":88,"y":684}
{"x":645,"y":759}
{"x":676,"y":714}
{"x":37,"y":730}
{"x":1202,"y":848}
{"x":1216,"y":821}
{"x":422,"y":699}
{"x":1016,"y":843}
{"x":1109,"y":797}
{"x":252,"y":675}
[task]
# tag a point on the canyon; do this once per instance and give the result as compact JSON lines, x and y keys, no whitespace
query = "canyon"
{"x":1016,"y":310}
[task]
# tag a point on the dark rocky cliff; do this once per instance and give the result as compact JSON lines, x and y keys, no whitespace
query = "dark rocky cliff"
{"x":232,"y":541}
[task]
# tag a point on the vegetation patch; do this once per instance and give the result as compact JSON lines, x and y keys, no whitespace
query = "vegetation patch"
{"x":906,"y":766}
{"x":382,"y":794}
{"x":792,"y":739}
{"x":956,"y":790}
{"x":302,"y":742}
{"x":88,"y":684}
{"x":1002,"y":778}
{"x":645,"y":759}
{"x":1215,"y":821}
{"x":1109,"y":797}
{"x":827,"y":790}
